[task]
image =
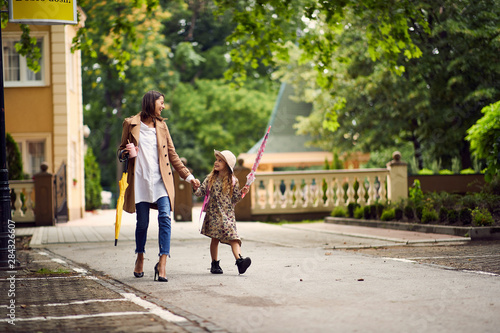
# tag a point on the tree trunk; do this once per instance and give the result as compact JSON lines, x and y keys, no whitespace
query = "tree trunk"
{"x":418,"y":152}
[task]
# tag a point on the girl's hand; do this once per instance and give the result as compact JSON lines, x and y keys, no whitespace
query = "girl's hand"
{"x":195,"y":183}
{"x":245,"y":189}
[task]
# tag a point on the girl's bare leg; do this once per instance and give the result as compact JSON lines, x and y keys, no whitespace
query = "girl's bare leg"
{"x":235,"y":246}
{"x":214,"y":248}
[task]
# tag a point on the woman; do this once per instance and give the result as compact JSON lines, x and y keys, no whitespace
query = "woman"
{"x":150,"y":177}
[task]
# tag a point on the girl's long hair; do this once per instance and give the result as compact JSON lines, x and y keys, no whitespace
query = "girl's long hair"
{"x":148,"y":105}
{"x":227,"y":181}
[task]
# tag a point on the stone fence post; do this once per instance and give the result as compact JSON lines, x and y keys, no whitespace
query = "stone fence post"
{"x":397,"y":182}
{"x":183,"y":205}
{"x":44,"y":197}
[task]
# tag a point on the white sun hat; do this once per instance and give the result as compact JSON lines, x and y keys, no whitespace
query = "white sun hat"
{"x":228,"y":157}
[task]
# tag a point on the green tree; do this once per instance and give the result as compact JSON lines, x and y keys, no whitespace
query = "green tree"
{"x":264,"y":27}
{"x":14,"y":158}
{"x":93,"y":187}
{"x":430,"y":105}
{"x":27,"y":44}
{"x":182,"y":43}
{"x":110,"y":96}
{"x":216,"y":116}
{"x":195,"y":33}
{"x":484,"y":137}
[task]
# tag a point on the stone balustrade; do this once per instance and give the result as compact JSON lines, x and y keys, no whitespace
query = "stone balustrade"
{"x":310,"y":192}
{"x":23,"y":205}
{"x":316,"y":191}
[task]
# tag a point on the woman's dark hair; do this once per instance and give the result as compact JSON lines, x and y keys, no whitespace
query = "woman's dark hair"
{"x":148,"y":105}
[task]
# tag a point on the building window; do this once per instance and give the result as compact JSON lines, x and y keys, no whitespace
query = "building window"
{"x":16,"y":71}
{"x":35,"y":149}
{"x":36,"y":155}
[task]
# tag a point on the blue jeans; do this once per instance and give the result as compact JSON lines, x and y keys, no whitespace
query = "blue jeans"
{"x":164,"y":225}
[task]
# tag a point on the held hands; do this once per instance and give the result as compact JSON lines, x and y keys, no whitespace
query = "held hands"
{"x":195,"y":183}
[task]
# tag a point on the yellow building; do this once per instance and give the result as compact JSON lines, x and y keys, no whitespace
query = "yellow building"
{"x":43,"y":111}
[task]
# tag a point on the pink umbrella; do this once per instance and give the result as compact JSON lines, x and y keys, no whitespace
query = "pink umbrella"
{"x":251,"y":175}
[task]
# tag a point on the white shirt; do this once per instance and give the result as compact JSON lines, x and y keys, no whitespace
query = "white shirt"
{"x":149,"y":186}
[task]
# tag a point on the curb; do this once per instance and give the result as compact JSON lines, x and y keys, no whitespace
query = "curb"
{"x":395,"y":241}
{"x":475,"y":233}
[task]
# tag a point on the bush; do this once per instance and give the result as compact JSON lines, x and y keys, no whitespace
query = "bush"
{"x":14,"y":159}
{"x":484,"y":138}
{"x":373,"y":211}
{"x":452,"y":216}
{"x":416,"y":194}
{"x":443,"y":214}
{"x":358,"y":212}
{"x":351,"y":207}
{"x":380,"y":209}
{"x":366,"y":212}
{"x":408,"y":212}
{"x":388,"y":215}
{"x":429,"y":215}
{"x":468,"y":171}
{"x":482,"y":217}
{"x":398,"y":213}
{"x":465,"y":216}
{"x":493,"y":186}
{"x":445,"y":172}
{"x":339,"y":211}
{"x":419,"y":211}
{"x":93,"y":187}
{"x":425,"y":172}
{"x":470,"y":201}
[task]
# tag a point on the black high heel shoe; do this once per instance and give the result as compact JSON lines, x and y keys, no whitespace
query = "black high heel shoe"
{"x":160,"y":278}
{"x":138,"y":275}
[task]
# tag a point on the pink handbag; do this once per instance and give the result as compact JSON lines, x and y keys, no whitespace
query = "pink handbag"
{"x":203,"y":210}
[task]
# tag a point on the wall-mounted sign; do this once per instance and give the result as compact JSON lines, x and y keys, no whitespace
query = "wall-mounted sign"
{"x":43,"y":11}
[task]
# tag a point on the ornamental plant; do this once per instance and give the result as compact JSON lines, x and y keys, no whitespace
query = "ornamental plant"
{"x":388,"y":214}
{"x":482,"y":217}
{"x":429,"y":215}
{"x":465,"y":216}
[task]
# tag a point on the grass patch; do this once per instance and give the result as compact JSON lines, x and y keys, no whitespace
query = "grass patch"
{"x":46,"y":271}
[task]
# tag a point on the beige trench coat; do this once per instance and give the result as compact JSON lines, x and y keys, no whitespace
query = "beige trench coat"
{"x":168,"y":158}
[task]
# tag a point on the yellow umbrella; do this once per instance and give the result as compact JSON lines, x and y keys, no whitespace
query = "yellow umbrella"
{"x":119,"y":203}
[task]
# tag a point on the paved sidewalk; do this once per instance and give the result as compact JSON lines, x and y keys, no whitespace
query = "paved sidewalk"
{"x":52,"y":294}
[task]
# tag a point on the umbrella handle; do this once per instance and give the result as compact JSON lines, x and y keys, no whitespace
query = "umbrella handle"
{"x":123,"y":155}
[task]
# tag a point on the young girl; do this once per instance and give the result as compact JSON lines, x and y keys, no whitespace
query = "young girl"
{"x":220,"y":223}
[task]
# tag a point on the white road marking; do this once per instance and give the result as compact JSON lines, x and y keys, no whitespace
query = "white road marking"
{"x":106,"y":314}
{"x":153,"y":308}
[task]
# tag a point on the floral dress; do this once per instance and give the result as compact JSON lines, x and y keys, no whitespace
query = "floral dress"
{"x":220,"y":221}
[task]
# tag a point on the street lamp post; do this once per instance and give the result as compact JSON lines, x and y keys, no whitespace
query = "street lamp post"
{"x":5,"y":212}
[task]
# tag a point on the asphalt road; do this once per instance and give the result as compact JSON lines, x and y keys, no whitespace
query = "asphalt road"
{"x":313,"y":281}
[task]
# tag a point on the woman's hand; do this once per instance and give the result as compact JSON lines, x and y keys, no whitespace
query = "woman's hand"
{"x":195,"y":183}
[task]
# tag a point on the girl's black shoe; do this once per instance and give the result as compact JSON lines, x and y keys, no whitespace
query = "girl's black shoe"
{"x":216,"y":267}
{"x":160,"y":279}
{"x":243,"y":264}
{"x":138,"y":275}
